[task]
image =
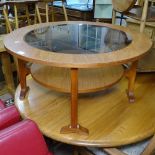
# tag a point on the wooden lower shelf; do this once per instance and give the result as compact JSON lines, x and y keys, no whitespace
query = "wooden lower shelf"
{"x":89,"y":80}
{"x":111,"y":119}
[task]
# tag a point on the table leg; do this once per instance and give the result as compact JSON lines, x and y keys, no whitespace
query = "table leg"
{"x":131,"y":75}
{"x":74,"y":127}
{"x":23,"y":72}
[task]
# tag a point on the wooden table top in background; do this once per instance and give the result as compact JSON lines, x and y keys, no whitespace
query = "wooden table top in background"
{"x":111,"y":120}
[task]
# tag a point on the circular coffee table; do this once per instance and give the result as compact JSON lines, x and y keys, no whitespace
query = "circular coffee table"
{"x":84,"y":47}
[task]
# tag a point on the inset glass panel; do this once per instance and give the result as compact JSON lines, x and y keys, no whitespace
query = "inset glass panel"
{"x":78,"y":39}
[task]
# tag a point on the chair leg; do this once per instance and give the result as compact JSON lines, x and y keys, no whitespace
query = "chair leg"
{"x":38,"y":14}
{"x":8,"y":26}
{"x":144,"y":15}
{"x":65,"y":12}
{"x":113,"y":17}
{"x":16,"y":17}
{"x":113,"y":151}
{"x":47,"y":15}
{"x":52,"y":9}
{"x":150,"y":148}
{"x":27,"y":15}
{"x":8,"y":74}
{"x":35,"y":17}
{"x":140,"y":2}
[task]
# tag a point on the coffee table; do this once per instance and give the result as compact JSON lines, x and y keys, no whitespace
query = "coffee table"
{"x":76,"y":46}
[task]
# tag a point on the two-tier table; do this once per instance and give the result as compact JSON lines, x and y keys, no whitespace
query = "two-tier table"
{"x":76,"y":57}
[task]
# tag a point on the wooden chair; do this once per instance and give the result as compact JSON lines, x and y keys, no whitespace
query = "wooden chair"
{"x":64,"y":9}
{"x":2,"y":20}
{"x":142,"y":19}
{"x":3,"y":14}
{"x":121,"y":6}
{"x":124,"y":7}
{"x":42,"y":9}
{"x":16,"y":7}
{"x":7,"y":66}
{"x":141,"y":2}
{"x":21,"y":12}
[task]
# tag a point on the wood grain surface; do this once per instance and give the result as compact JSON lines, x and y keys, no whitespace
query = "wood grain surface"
{"x":110,"y":118}
{"x":15,"y":44}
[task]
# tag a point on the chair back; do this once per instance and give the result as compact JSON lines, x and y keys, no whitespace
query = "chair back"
{"x":123,"y":5}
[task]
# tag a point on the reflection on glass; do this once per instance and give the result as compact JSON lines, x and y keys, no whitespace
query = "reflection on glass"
{"x":78,"y":39}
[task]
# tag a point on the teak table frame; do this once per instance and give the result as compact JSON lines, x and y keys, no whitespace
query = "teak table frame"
{"x":74,"y":126}
{"x":25,"y":55}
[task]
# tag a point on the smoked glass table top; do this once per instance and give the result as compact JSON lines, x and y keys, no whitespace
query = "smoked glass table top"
{"x":78,"y":39}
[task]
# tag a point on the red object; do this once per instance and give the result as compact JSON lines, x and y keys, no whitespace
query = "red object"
{"x":2,"y":105}
{"x":22,"y":138}
{"x":9,"y":116}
